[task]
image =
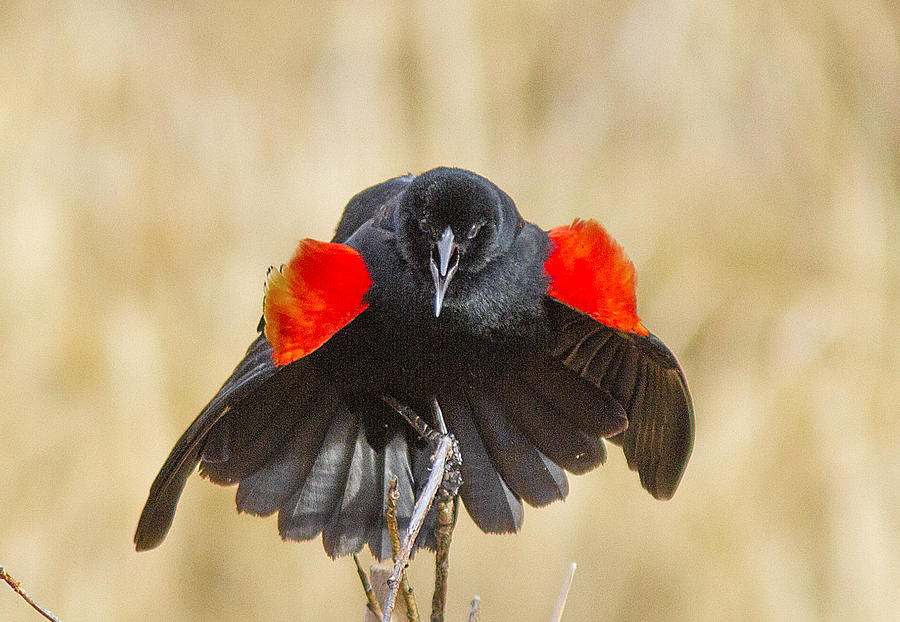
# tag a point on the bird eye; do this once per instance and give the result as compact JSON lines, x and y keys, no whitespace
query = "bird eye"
{"x":424,"y":226}
{"x":474,"y":230}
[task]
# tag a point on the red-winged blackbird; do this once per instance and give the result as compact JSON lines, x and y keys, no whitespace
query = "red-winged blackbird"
{"x":435,"y":287}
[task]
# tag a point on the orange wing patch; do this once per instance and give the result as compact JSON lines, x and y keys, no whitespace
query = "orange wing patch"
{"x":589,"y":271}
{"x":311,"y":298}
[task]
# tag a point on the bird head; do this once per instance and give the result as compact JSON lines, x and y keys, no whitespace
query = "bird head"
{"x":453,"y":223}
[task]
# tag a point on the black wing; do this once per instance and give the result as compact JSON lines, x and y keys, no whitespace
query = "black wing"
{"x":247,"y":377}
{"x":644,"y":377}
{"x":288,"y":438}
{"x":365,"y":204}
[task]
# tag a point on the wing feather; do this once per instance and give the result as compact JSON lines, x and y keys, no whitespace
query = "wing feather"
{"x":159,"y":510}
{"x":642,"y":375}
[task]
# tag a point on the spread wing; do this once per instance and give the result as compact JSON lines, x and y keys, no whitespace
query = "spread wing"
{"x":644,"y":377}
{"x":245,"y":380}
{"x":309,"y":300}
{"x":595,"y":332}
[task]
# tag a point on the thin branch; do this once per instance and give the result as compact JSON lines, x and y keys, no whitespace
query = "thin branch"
{"x":378,"y":576}
{"x":442,"y":534}
{"x":561,"y":603}
{"x":372,"y":603}
{"x":444,"y":449}
{"x":390,"y":513}
{"x":444,"y":479}
{"x":418,"y":424}
{"x":452,"y":468}
{"x":475,"y":610}
{"x":446,"y":517}
{"x":17,"y":588}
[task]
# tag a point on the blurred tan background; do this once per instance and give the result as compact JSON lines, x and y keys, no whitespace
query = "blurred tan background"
{"x":156,"y":159}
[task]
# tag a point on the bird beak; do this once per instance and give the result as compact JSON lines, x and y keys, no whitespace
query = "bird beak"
{"x":441,"y":270}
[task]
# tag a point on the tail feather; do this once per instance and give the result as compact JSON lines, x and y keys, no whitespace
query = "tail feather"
{"x":348,"y":529}
{"x":262,"y":493}
{"x":309,"y":509}
{"x":393,"y":461}
{"x":329,"y":478}
{"x":522,"y":467}
{"x":489,"y":501}
{"x":557,"y":474}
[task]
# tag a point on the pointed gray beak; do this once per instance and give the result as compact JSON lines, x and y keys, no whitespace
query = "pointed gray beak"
{"x":441,"y":270}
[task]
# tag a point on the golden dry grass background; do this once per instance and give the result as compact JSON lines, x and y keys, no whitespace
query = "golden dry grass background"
{"x":155,"y":159}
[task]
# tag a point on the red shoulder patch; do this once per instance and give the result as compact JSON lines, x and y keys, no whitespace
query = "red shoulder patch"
{"x":589,"y":271}
{"x":311,"y":298}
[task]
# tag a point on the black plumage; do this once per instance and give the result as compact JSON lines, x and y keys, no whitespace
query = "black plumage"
{"x":458,"y":310}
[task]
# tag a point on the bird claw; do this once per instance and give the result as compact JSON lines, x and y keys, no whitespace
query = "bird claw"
{"x":452,"y":470}
{"x":452,"y":479}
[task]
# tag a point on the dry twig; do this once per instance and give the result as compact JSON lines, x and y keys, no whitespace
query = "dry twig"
{"x":444,"y":476}
{"x":564,"y":594}
{"x":445,"y":447}
{"x":17,"y":588}
{"x":372,"y":600}
{"x":475,"y":610}
{"x":390,"y":513}
{"x":446,"y":505}
{"x":409,"y":415}
{"x":442,"y":534}
{"x":378,"y":576}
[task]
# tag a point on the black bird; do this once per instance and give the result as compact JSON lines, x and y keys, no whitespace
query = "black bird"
{"x":435,"y":287}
